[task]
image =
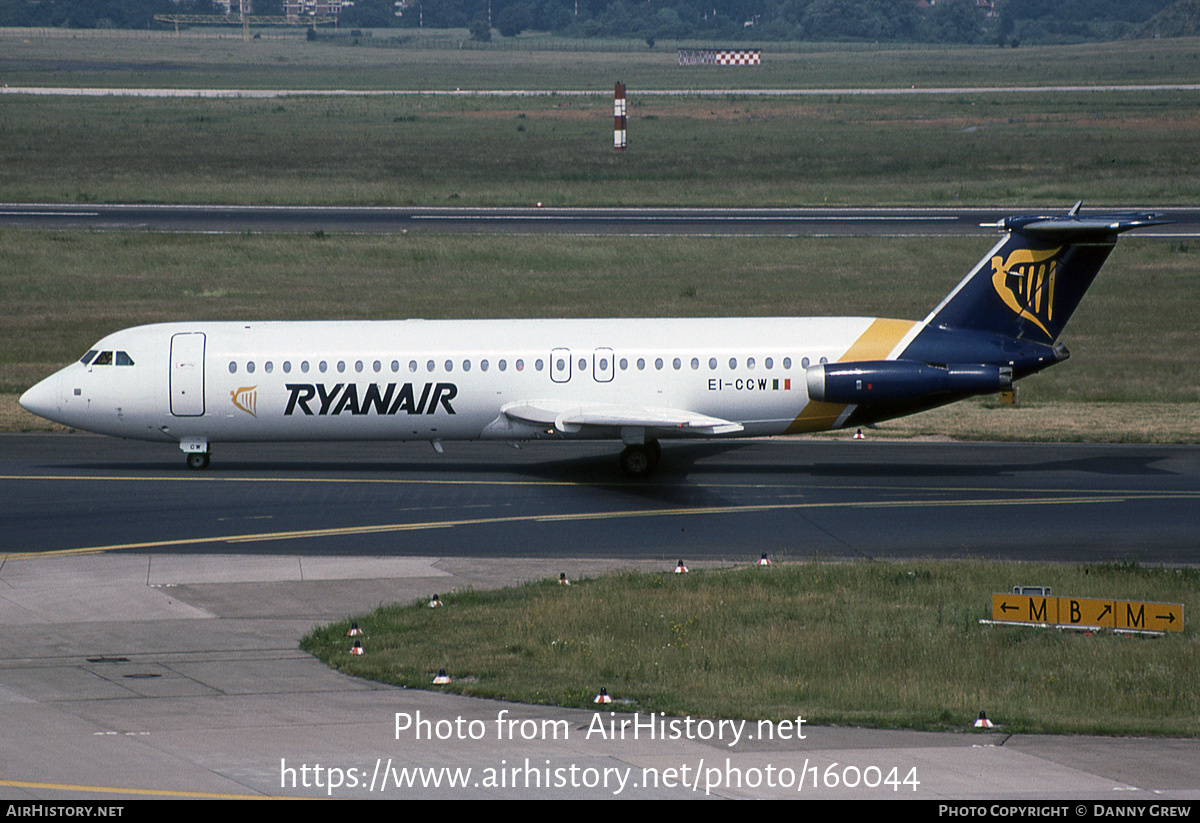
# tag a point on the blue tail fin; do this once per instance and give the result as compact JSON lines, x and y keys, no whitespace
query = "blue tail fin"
{"x":1029,"y":285}
{"x":1000,"y":323}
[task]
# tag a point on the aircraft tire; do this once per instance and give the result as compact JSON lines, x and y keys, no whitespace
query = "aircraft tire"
{"x":640,"y":461}
{"x":198,"y":460}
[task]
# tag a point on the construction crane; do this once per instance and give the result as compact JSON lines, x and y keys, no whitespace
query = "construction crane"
{"x":246,"y":20}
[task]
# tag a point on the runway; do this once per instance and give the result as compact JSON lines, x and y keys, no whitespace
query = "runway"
{"x":151,"y":615}
{"x":792,"y":222}
{"x":728,"y":500}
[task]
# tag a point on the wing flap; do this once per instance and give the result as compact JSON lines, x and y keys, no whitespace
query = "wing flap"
{"x":570,"y":418}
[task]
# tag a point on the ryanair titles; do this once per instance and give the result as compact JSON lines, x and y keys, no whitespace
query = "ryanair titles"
{"x":320,"y":399}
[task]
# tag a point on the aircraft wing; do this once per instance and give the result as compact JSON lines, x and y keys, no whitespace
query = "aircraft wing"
{"x":570,"y":418}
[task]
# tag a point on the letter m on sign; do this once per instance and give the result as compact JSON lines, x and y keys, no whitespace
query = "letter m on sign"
{"x":1037,"y":610}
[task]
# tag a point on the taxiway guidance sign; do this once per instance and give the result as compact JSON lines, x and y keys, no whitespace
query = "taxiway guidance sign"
{"x":1085,"y":612}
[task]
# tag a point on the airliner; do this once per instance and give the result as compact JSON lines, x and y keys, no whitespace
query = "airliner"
{"x":638,"y":381}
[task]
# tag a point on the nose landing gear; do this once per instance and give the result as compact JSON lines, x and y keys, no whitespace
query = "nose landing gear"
{"x":197,"y":460}
{"x":197,"y":453}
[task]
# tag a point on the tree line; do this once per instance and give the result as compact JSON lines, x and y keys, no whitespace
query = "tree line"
{"x":1007,"y":22}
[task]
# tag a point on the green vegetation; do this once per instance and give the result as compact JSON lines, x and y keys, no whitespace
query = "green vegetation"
{"x":957,"y":21}
{"x":447,"y":59}
{"x":731,"y":151}
{"x":874,"y":644}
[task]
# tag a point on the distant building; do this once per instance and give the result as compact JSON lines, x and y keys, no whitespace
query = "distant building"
{"x":232,"y":6}
{"x":314,"y":8}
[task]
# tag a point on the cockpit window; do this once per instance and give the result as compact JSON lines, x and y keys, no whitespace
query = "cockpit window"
{"x":105,"y":359}
{"x":124,"y":359}
{"x":87,"y":358}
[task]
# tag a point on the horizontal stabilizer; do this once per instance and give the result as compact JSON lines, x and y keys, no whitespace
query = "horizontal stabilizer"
{"x":570,"y":418}
{"x":1026,"y":288}
{"x":1076,"y":226}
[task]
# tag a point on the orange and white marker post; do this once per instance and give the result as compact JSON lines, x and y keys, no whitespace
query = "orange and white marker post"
{"x":619,"y":117}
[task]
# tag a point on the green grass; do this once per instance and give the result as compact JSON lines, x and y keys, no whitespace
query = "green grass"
{"x":728,"y":151}
{"x":872,"y":644}
{"x":440,"y":60}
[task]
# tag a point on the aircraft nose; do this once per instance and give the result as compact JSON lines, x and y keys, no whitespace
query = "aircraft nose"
{"x":43,"y":398}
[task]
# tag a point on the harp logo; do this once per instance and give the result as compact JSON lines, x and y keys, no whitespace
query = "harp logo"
{"x":246,"y":399}
{"x":1025,"y":281}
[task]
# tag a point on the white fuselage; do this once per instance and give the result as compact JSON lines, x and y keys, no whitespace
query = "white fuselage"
{"x":458,"y":379}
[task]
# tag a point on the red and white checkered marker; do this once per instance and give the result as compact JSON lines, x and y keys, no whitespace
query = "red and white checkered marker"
{"x":763,"y":561}
{"x":858,"y":435}
{"x":739,"y":58}
{"x":355,"y":631}
{"x":681,"y":569}
{"x":357,"y":649}
{"x":983,"y":723}
{"x":442,"y":678}
{"x":603,"y":696}
{"x":562,"y":580}
{"x":434,"y":602}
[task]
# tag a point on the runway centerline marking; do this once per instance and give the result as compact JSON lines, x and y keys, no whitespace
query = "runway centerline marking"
{"x":387,"y":528}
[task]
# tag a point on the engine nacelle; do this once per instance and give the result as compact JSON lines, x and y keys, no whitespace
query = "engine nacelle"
{"x":901,"y":380}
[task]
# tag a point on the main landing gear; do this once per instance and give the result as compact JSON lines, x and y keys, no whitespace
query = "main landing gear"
{"x":640,"y":459}
{"x":197,"y":460}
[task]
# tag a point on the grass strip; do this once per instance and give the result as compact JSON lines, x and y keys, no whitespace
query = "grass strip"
{"x":880,"y":644}
{"x":444,"y":59}
{"x":731,"y":150}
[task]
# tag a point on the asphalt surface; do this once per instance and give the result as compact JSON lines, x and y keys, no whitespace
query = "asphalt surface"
{"x":798,"y":222}
{"x":728,"y":500}
{"x":170,"y":667}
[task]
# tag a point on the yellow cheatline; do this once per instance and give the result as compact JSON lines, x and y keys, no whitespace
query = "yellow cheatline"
{"x":71,"y":787}
{"x":560,"y":518}
{"x":876,"y":343}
